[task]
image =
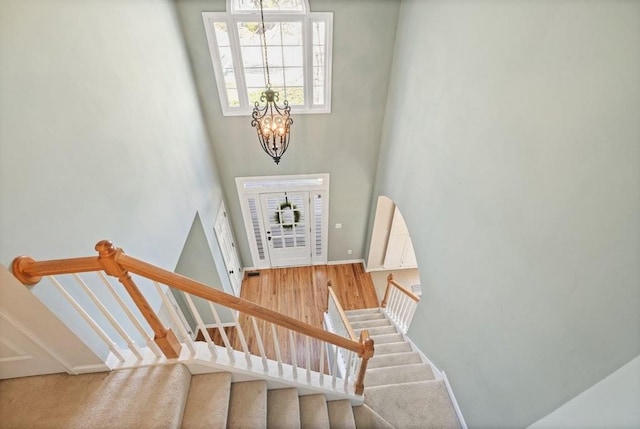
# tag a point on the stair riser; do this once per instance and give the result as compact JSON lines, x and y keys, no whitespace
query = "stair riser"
{"x":380,"y":330}
{"x":365,"y":317}
{"x":383,"y":349}
{"x":362,"y":311}
{"x":370,"y":324}
{"x":398,"y":374}
{"x":394,"y":359}
{"x":387,"y":338}
{"x":314,"y":412}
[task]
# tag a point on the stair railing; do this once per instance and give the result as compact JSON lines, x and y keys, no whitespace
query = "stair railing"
{"x":338,"y":323}
{"x":399,"y":304}
{"x":258,"y":320}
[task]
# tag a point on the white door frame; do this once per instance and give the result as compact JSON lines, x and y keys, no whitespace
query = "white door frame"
{"x":249,"y":190}
{"x":226,"y":242}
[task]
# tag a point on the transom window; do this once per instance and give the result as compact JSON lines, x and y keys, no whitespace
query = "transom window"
{"x":298,"y":54}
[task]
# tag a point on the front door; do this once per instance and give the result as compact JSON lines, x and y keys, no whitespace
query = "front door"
{"x":286,"y":220}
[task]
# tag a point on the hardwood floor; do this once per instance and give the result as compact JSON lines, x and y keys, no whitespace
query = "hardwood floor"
{"x":301,"y":293}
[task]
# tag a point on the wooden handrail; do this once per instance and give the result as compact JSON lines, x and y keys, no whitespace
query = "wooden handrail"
{"x":392,"y":282}
{"x":116,"y":263}
{"x":343,"y":316}
{"x":30,"y":272}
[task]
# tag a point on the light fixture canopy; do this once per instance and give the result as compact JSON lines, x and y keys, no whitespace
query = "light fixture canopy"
{"x":272,"y":122}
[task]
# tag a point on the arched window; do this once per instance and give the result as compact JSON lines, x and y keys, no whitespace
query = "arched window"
{"x":298,"y":52}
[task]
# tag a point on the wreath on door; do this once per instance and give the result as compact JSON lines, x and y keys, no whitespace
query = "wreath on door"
{"x":287,"y":216}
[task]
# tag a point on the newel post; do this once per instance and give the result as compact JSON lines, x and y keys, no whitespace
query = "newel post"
{"x":367,"y":342}
{"x":166,"y":340}
{"x":386,"y":292}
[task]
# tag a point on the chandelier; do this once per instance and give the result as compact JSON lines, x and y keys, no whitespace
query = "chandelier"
{"x":272,"y":122}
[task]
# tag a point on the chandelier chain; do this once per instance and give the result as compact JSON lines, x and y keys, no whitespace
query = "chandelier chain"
{"x":264,"y":46}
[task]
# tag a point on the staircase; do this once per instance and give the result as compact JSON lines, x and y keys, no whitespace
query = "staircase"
{"x":400,"y":387}
{"x":401,"y":392}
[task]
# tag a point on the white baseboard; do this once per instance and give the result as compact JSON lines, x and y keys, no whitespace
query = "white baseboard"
{"x":86,"y":369}
{"x":341,"y":262}
{"x":456,"y":407}
{"x":440,"y":375}
{"x":373,"y":270}
{"x":347,"y":261}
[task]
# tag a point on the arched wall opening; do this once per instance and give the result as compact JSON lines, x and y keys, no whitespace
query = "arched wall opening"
{"x":391,"y":250}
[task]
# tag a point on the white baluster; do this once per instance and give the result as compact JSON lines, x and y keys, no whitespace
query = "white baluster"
{"x":394,"y":304}
{"x":98,"y":330}
{"x":334,"y":369}
{"x":322,"y":352}
{"x":200,"y":325}
{"x":223,"y":334}
{"x":177,"y":322}
{"x":147,"y":338}
{"x":294,"y":355}
{"x":241,"y":337}
{"x":403,"y":312}
{"x":276,"y":344}
{"x":260,"y":343}
{"x":125,"y":336}
{"x":389,"y":308}
{"x":348,"y":371}
{"x":307,"y":356}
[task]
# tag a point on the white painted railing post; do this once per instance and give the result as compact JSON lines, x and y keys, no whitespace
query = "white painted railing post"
{"x":399,"y":304}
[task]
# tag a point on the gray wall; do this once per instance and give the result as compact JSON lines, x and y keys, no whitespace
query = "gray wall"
{"x":344,"y":143}
{"x":197,"y":262}
{"x":512,"y":147}
{"x":101,"y":134}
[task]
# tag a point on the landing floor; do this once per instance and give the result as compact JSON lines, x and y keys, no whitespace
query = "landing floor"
{"x":301,"y":293}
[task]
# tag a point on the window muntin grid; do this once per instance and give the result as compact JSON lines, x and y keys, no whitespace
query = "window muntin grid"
{"x":299,"y":55}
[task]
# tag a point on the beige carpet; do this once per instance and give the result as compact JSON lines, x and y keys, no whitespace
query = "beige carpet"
{"x":401,"y":392}
{"x":99,"y":400}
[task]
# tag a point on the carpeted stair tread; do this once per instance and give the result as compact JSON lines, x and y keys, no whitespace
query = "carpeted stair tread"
{"x":106,"y":399}
{"x":387,"y":338}
{"x":362,"y":311}
{"x":398,"y":347}
{"x":208,"y":401}
{"x":379,"y":330}
{"x":366,"y":324}
{"x":366,"y":418}
{"x":398,"y":374}
{"x":283,"y":409}
{"x":435,"y":410}
{"x":341,"y":415}
{"x":313,"y":412}
{"x":364,"y":317}
{"x":393,"y":359}
{"x":248,"y":405}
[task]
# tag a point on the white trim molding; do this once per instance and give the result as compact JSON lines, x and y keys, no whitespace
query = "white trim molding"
{"x":251,"y":188}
